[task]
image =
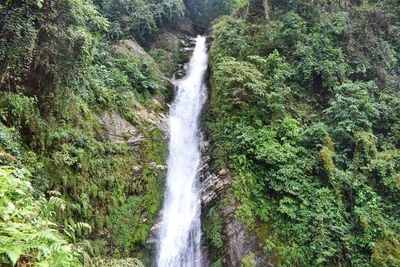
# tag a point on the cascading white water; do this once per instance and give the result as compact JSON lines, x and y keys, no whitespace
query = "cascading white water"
{"x":179,"y":235}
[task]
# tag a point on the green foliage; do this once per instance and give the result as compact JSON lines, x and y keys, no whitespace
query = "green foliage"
{"x":139,"y":18}
{"x":129,"y":231}
{"x":372,"y":42}
{"x":351,"y":109}
{"x":17,"y":110}
{"x":230,"y":39}
{"x":50,"y":39}
{"x":386,"y":253}
{"x":58,"y":74}
{"x":243,"y":79}
{"x":126,"y":262}
{"x":9,"y":145}
{"x":203,"y":12}
{"x":384,"y":169}
{"x":28,"y":235}
{"x":304,"y":111}
{"x":74,"y":160}
{"x":120,"y":81}
{"x":248,"y":261}
{"x":213,"y":228}
{"x":299,"y":113}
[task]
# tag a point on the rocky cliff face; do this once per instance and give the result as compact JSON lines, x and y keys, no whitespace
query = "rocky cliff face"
{"x":117,"y":129}
{"x":239,"y":244}
{"x":212,"y":185}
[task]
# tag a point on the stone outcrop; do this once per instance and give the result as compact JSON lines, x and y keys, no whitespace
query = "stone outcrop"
{"x":158,"y":120}
{"x":152,"y":238}
{"x":184,"y":25}
{"x":117,"y":129}
{"x":238,"y":242}
{"x":212,"y":185}
{"x":129,"y":47}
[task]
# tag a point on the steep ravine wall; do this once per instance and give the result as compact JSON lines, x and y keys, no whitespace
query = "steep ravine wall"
{"x":226,"y":240}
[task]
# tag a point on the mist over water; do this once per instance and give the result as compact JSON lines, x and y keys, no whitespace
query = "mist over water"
{"x":180,"y":232}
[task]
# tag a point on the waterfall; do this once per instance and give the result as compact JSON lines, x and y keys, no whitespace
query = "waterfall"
{"x":180,"y":233}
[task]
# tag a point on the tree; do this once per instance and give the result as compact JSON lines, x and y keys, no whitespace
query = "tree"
{"x":45,"y":42}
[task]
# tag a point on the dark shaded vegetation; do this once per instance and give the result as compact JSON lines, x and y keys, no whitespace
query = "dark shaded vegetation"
{"x":204,"y":12}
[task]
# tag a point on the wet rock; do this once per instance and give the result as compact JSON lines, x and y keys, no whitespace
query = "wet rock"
{"x":166,"y":40}
{"x":152,"y":165}
{"x":185,"y":26}
{"x":212,"y":186}
{"x":159,"y":120}
{"x":137,"y":168}
{"x":117,"y":129}
{"x":161,"y":167}
{"x":238,"y":242}
{"x":152,"y":238}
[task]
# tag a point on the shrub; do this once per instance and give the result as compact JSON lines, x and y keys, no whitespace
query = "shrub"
{"x":28,"y":236}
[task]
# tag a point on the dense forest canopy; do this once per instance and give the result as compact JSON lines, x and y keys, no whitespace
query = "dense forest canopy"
{"x":304,"y":113}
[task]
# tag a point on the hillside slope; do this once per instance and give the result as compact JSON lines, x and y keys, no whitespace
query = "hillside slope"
{"x":303,"y":119}
{"x":83,"y":98}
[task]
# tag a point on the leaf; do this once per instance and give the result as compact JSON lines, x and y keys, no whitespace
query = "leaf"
{"x":43,"y":264}
{"x":14,"y":253}
{"x":39,"y":3}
